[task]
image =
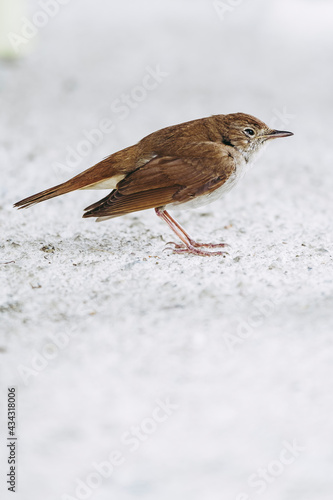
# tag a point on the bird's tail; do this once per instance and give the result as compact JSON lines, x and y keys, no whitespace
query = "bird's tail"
{"x":52,"y":192}
{"x":103,"y":175}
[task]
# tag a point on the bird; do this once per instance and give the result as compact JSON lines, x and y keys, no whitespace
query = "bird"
{"x":186,"y":165}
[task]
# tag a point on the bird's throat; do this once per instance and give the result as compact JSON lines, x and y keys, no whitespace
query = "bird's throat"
{"x":252,"y":153}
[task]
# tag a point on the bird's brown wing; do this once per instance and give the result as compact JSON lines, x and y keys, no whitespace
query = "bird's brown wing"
{"x":166,"y":180}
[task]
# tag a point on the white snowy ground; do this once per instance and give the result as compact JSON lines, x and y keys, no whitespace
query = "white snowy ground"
{"x":241,"y":347}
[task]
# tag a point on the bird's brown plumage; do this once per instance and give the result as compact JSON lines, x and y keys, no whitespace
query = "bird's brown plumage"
{"x":164,"y":180}
{"x":118,"y":163}
{"x":174,"y":141}
{"x":191,"y":163}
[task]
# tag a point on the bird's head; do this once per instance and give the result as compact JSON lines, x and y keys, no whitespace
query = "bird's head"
{"x":248,"y":134}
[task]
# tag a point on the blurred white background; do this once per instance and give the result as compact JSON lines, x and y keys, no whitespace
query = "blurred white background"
{"x":242,"y":346}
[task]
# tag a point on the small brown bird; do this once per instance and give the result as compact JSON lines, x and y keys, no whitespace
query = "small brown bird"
{"x":185,"y":165}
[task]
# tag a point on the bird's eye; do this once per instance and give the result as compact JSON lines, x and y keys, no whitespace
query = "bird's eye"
{"x":249,"y":132}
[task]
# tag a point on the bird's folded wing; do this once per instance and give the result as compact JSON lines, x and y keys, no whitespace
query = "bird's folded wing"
{"x":165,"y":180}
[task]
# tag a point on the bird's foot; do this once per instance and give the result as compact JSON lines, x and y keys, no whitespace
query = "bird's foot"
{"x":197,"y":248}
{"x":208,"y":245}
{"x":196,"y":244}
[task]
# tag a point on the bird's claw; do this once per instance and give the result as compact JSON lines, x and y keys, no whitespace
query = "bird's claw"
{"x":196,"y":250}
{"x":177,"y":245}
{"x":209,"y":245}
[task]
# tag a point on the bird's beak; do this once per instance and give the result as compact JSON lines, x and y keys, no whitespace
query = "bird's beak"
{"x":274,"y":134}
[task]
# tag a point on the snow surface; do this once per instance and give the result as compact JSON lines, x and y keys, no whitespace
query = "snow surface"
{"x":242,"y":346}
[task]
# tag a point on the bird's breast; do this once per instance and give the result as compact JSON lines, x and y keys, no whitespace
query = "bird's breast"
{"x":205,"y":199}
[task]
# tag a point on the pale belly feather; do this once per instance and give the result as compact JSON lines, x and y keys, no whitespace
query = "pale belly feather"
{"x":205,"y":199}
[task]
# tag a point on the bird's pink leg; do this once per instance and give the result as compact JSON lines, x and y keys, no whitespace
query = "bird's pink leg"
{"x":189,"y":245}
